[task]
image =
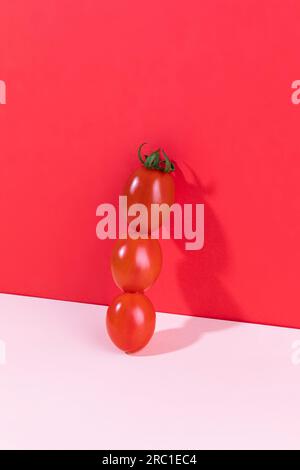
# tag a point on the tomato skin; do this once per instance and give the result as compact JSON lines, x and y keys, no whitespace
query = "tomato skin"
{"x":130,"y":321}
{"x":136,"y":264}
{"x":148,"y":186}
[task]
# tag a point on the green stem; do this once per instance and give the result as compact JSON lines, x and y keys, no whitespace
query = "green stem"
{"x":155,"y":162}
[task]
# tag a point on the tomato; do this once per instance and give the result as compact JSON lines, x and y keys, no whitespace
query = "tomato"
{"x":130,"y":321}
{"x":151,"y":184}
{"x":136,"y":264}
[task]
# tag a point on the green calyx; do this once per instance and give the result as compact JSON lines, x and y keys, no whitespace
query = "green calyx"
{"x":155,"y":161}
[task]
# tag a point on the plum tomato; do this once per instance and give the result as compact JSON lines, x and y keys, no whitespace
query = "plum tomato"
{"x":136,"y":264}
{"x":130,"y":321}
{"x":150,"y":184}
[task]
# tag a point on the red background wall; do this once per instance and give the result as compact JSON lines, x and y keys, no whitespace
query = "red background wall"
{"x":88,"y":81}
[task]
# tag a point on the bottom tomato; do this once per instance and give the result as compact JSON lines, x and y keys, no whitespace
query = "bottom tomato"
{"x":130,"y":321}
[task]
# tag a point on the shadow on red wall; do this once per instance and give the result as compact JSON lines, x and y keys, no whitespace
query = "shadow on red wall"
{"x":205,"y":289}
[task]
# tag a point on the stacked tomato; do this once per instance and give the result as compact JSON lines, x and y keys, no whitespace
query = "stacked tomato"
{"x":136,"y":261}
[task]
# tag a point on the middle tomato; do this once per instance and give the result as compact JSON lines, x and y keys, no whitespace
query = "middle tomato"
{"x":136,"y":264}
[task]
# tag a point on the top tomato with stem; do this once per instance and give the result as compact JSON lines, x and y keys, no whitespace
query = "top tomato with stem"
{"x":152,"y":184}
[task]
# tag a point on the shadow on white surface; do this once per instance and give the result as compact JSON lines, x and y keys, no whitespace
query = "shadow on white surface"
{"x":175,"y":339}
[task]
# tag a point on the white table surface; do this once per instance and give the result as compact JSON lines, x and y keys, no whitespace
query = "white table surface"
{"x":200,"y":384}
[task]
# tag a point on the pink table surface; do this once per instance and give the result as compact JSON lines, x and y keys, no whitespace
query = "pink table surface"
{"x":200,"y":383}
